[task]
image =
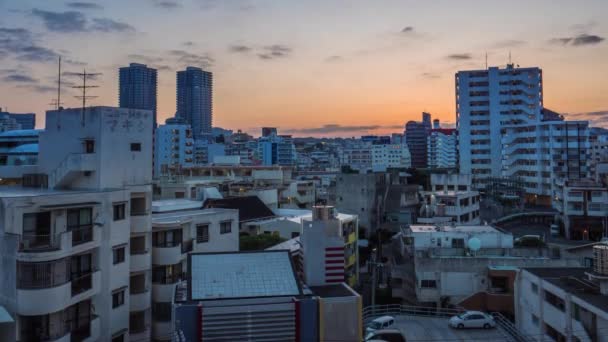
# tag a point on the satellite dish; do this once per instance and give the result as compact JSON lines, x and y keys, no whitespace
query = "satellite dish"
{"x":474,"y":244}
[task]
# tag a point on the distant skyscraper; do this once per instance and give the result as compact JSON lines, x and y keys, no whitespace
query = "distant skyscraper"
{"x":416,"y":134}
{"x":23,"y":120}
{"x":137,"y":88}
{"x":195,"y":100}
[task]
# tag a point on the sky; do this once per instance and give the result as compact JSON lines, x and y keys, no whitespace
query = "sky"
{"x":310,"y":68}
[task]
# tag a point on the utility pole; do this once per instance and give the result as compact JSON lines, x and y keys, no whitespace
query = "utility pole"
{"x":56,"y":103}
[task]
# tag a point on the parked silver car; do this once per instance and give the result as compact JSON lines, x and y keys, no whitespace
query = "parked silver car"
{"x":472,"y":319}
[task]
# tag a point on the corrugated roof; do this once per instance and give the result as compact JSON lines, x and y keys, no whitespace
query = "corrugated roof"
{"x":242,"y":275}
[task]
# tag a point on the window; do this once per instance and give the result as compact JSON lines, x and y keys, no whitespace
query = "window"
{"x":225,"y":227}
{"x":295,"y":234}
{"x":428,"y":283}
{"x":457,"y":243}
{"x":119,"y":211}
{"x":138,"y":245}
{"x":535,"y":319}
{"x":202,"y":233}
{"x":118,"y":298}
{"x":136,"y":147}
{"x":118,"y":255}
{"x":161,"y":312}
{"x":167,"y":238}
{"x":554,"y":300}
{"x":89,"y":146}
{"x":180,"y":194}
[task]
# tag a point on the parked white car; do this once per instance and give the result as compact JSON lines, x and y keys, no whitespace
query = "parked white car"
{"x":473,"y":319}
{"x":380,"y":323}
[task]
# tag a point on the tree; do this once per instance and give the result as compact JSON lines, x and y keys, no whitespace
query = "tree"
{"x":259,"y":242}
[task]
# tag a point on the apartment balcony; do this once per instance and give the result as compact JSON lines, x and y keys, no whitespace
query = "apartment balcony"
{"x":140,"y":299}
{"x":168,"y":254}
{"x":140,"y":261}
{"x":141,"y":222}
{"x":162,"y":330}
{"x":164,"y":291}
{"x":38,"y":248}
{"x":51,"y":297}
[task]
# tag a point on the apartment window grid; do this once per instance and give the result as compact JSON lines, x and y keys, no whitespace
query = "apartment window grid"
{"x":202,"y":233}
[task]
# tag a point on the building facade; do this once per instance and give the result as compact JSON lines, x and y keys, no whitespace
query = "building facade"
{"x":416,"y":135}
{"x":174,"y":147}
{"x":390,"y":156}
{"x":195,"y":100}
{"x":9,"y":121}
{"x":442,"y":150}
{"x":137,"y":88}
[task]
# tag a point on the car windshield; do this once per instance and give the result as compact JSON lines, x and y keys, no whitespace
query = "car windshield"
{"x":375,"y":325}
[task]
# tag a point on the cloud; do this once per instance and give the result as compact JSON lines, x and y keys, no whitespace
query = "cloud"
{"x":84,"y":5}
{"x":509,"y":43}
{"x":110,"y":25}
{"x":579,"y":40}
{"x":239,"y":48}
{"x":335,"y":128}
{"x":407,"y":29}
{"x":38,"y":88}
{"x":167,"y":4}
{"x":193,"y":59}
{"x":334,"y":58}
{"x":430,"y":75}
{"x":19,"y":78}
{"x":145,"y":58}
{"x":69,"y":21}
{"x":275,"y":51}
{"x":459,"y":56}
{"x":20,"y":44}
{"x":188,"y":44}
{"x":595,"y":118}
{"x":75,"y":21}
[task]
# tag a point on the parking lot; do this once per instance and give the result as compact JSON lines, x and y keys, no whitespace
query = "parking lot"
{"x":419,"y":328}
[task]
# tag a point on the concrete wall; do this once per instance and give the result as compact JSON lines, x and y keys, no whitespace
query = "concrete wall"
{"x":340,"y":319}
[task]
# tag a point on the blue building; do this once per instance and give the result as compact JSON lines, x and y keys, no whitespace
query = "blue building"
{"x":195,"y":100}
{"x":137,"y":88}
{"x":24,"y":120}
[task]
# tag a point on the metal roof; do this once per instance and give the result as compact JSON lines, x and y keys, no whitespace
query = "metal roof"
{"x":242,"y":275}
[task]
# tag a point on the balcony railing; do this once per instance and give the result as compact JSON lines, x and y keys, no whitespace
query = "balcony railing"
{"x":82,"y":283}
{"x":39,"y":242}
{"x":82,"y":234}
{"x":187,"y":246}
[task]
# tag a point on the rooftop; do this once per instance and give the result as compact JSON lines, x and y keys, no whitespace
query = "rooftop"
{"x":175,"y":204}
{"x":291,"y":245}
{"x":418,"y":228}
{"x":574,"y":281}
{"x":242,"y":275}
{"x":250,"y":207}
{"x":332,"y":291}
{"x":181,"y":216}
{"x":21,"y":133}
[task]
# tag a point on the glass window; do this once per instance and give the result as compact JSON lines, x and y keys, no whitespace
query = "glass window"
{"x":119,"y":211}
{"x":118,"y":298}
{"x":118,"y":255}
{"x":225,"y":227}
{"x":202,"y":233}
{"x":136,"y":147}
{"x":161,"y":311}
{"x":428,"y":283}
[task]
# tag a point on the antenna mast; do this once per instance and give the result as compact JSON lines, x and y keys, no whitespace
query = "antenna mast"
{"x":84,"y":97}
{"x":486,"y":61}
{"x":57,"y":101}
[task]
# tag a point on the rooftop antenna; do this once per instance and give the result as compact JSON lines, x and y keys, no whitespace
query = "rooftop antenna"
{"x":84,"y":97}
{"x":486,"y":61}
{"x":56,"y":102}
{"x":509,"y":56}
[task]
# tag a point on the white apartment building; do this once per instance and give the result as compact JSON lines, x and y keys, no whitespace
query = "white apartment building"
{"x":563,"y":304}
{"x":450,"y":201}
{"x":66,"y":231}
{"x":358,"y":156}
{"x":442,"y":152}
{"x":540,"y":153}
{"x":174,"y":146}
{"x":180,"y":226}
{"x":486,"y":100}
{"x":583,"y":208}
{"x":599,"y":149}
{"x":390,"y":156}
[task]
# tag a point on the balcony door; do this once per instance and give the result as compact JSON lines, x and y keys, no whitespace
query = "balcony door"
{"x":37,"y":230}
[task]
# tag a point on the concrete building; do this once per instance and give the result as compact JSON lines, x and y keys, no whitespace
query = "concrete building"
{"x":386,"y":156}
{"x":358,"y":156}
{"x":583,"y":208}
{"x":466,"y":265}
{"x":18,"y":153}
{"x":361,"y":195}
{"x":179,"y":227}
{"x":442,"y":148}
{"x":416,"y":135}
{"x":195,"y":100}
{"x":562,"y":304}
{"x":206,"y":152}
{"x":66,"y":231}
{"x":137,"y":88}
{"x":16,"y":120}
{"x":257,"y":296}
{"x":450,"y":201}
{"x":275,"y":149}
{"x":174,"y":147}
{"x":487,"y":100}
{"x":598,"y":141}
{"x":539,"y":153}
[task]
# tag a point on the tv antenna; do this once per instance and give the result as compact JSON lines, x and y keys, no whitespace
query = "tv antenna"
{"x":486,"y":61}
{"x":56,"y":102}
{"x":84,"y":97}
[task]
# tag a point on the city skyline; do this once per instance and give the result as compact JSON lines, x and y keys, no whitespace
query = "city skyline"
{"x":328,"y":70}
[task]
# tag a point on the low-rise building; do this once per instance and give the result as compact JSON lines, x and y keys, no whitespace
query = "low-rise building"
{"x":582,"y":207}
{"x":386,"y":156}
{"x":18,"y":153}
{"x":257,"y":296}
{"x":173,"y":147}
